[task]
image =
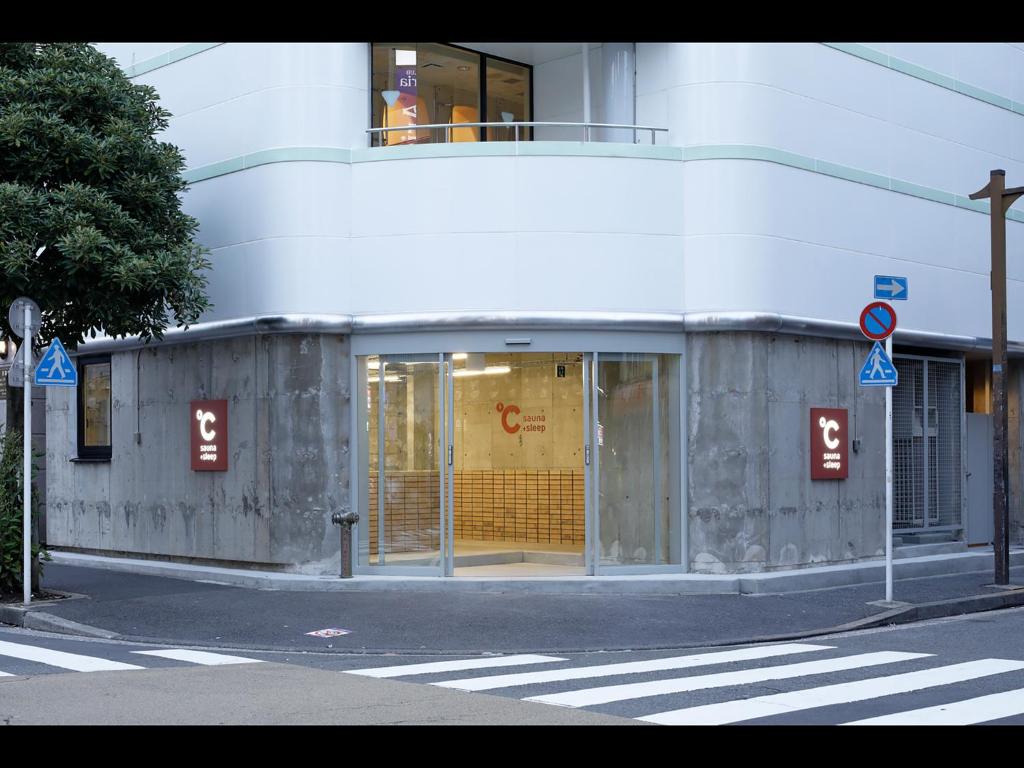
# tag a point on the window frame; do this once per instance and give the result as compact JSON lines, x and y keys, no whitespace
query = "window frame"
{"x":482,"y":92}
{"x":93,"y":452}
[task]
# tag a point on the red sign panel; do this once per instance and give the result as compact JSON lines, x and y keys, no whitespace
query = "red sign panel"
{"x":209,"y":430}
{"x":829,"y":444}
{"x":877,"y":321}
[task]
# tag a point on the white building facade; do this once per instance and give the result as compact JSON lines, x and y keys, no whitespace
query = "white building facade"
{"x":522,"y":342}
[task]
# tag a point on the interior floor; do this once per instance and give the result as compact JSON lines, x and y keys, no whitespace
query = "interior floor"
{"x":511,"y":558}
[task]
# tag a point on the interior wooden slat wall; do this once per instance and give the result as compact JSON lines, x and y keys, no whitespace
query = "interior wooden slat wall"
{"x":542,"y":506}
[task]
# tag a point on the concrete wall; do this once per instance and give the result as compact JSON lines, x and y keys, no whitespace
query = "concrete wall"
{"x":753,"y":506}
{"x":288,"y":453}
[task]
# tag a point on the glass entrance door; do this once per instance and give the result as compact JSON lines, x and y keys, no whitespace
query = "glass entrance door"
{"x":401,"y":520}
{"x":634,"y":468}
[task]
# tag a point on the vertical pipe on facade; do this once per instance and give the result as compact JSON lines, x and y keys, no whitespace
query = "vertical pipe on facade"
{"x":586,"y":82}
{"x":618,"y":66}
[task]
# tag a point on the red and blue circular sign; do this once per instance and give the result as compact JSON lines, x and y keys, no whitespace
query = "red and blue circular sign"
{"x":878,"y":321}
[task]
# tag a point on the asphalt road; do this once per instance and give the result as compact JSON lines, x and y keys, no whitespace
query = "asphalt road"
{"x":959,"y":670}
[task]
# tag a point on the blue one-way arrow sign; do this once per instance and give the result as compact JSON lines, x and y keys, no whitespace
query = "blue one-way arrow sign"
{"x":56,"y":368}
{"x":889,"y":287}
{"x":878,"y":370}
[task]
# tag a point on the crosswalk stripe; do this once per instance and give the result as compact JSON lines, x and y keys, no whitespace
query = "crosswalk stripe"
{"x":6,"y":674}
{"x":453,"y":666}
{"x":72,"y":661}
{"x":825,"y":696}
{"x":967,"y":712}
{"x":609,"y":693}
{"x":199,"y":657}
{"x":629,"y":667}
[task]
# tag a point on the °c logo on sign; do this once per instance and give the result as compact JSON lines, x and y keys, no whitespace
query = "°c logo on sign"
{"x":204,"y":418}
{"x":878,"y":321}
{"x":209,"y":435}
{"x":506,"y":411}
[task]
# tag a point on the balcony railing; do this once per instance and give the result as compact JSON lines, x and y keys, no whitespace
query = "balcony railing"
{"x":444,"y":130}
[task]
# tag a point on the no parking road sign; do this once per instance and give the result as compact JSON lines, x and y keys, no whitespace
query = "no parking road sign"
{"x":878,"y":321}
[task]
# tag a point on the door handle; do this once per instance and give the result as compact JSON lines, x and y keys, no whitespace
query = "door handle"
{"x":586,"y":455}
{"x":451,"y":454}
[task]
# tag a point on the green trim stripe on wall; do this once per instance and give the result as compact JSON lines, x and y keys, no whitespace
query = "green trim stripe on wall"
{"x":576,"y":149}
{"x":169,"y":57}
{"x":935,"y":78}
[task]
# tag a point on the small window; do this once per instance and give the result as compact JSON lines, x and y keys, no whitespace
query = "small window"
{"x":94,"y":407}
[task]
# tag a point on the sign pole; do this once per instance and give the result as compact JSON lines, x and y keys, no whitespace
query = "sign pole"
{"x":26,"y":574}
{"x":888,"y":482}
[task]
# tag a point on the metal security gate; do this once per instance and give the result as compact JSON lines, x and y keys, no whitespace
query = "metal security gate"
{"x":928,"y":428}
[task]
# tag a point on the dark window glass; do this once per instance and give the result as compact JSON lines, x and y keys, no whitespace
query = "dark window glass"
{"x":94,"y":398}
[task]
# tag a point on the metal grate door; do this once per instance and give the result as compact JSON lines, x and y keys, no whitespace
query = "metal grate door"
{"x":928,"y":414}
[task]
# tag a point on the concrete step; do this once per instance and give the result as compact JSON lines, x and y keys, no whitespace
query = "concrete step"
{"x":939,"y":537}
{"x":921,"y":550}
{"x":498,"y":558}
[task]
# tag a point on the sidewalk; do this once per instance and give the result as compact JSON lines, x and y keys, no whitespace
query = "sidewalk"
{"x":180,"y":611}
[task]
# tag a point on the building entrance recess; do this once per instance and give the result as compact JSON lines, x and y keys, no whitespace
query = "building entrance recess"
{"x":518,"y":463}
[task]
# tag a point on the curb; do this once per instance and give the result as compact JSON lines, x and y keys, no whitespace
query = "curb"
{"x":772,"y":582}
{"x":48,"y":622}
{"x":39,"y":620}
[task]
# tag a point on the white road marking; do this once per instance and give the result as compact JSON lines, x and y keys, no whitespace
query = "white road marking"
{"x":609,"y":693}
{"x":199,"y":657}
{"x":453,"y":666}
{"x":967,"y":712}
{"x":61,"y":659}
{"x":6,"y":674}
{"x":828,"y":695}
{"x":629,"y":667}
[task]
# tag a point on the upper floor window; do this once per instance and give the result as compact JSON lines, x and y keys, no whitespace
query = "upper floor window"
{"x":94,"y":407}
{"x":416,"y":84}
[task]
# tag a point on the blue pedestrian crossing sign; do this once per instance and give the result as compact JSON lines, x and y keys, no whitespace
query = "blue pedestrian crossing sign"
{"x":56,"y":368}
{"x":878,"y":370}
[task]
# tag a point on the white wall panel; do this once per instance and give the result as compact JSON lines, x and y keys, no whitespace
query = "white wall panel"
{"x":130,"y":54}
{"x":758,"y":273}
{"x":738,"y":196}
{"x":233,"y":69}
{"x":269,"y":201}
{"x":294,"y":116}
{"x":996,"y":71}
{"x":283,"y":275}
{"x":832,"y":78}
{"x":444,"y":233}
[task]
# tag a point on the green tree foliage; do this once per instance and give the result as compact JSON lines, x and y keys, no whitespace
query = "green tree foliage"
{"x":82,"y":173}
{"x":12,"y":513}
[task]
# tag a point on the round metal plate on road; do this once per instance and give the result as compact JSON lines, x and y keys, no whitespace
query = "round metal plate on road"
{"x":16,"y":316}
{"x":878,"y":321}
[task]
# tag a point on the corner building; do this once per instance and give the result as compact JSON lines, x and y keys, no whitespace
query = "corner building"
{"x":517,"y":341}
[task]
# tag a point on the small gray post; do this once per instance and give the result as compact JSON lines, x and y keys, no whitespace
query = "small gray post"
{"x":346,"y":520}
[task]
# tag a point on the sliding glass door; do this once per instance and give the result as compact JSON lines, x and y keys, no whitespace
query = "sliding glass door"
{"x":402,"y":456}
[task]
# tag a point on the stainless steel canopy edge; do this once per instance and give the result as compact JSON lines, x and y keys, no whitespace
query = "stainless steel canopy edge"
{"x":667,"y":322}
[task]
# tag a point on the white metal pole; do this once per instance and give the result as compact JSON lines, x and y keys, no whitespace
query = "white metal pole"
{"x":888,"y":482}
{"x":26,"y":494}
{"x":586,"y":85}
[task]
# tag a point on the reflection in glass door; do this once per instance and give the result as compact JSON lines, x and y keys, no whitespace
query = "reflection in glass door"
{"x":401,"y":462}
{"x":635,"y":465}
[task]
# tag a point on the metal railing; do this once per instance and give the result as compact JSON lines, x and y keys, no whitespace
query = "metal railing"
{"x":514,"y":127}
